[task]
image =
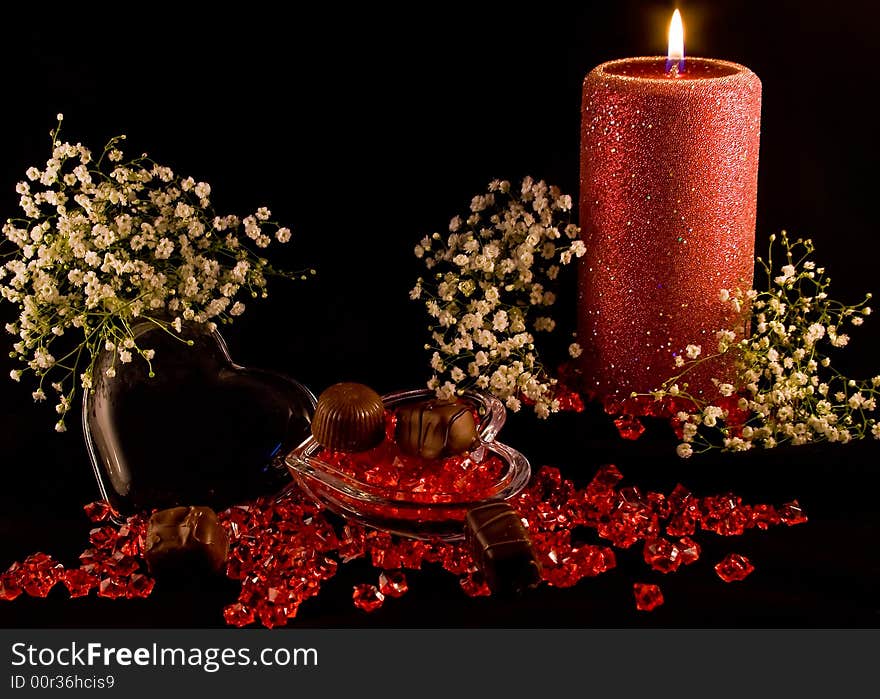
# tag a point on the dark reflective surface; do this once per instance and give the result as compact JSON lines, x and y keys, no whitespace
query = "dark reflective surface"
{"x":201,"y":431}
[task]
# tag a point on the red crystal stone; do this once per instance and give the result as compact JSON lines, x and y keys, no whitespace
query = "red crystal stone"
{"x":9,"y":587}
{"x":392,"y":583}
{"x":648,"y":597}
{"x":724,"y":515}
{"x":103,"y":536}
{"x":734,"y":567}
{"x":272,"y":616}
{"x":139,"y":586}
{"x":581,"y":562}
{"x":685,"y":511}
{"x":606,"y":478}
{"x":79,"y":582}
{"x":367,"y":597}
{"x":352,"y":545}
{"x":99,"y":511}
{"x":474,"y":585}
{"x":113,"y":588}
{"x":629,"y":523}
{"x":764,"y":516}
{"x":662,"y":555}
{"x":659,"y":504}
{"x":39,"y":574}
{"x":629,"y":427}
{"x":689,"y":550}
{"x":456,"y":559}
{"x":552,"y":547}
{"x":792,"y":513}
{"x":238,"y":615}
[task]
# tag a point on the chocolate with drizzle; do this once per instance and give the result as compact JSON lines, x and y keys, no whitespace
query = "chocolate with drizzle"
{"x":435,"y":428}
{"x":501,"y":548}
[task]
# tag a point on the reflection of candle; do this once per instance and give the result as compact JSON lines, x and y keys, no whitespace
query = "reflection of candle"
{"x":669,"y":165}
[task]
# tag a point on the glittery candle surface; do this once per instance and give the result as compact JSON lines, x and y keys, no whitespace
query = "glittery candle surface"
{"x":668,"y":188}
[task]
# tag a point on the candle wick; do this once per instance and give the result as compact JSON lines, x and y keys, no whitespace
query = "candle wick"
{"x":674,"y":68}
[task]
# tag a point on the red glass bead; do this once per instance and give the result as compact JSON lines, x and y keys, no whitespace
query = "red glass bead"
{"x":99,"y":511}
{"x":734,"y":567}
{"x":139,"y":586}
{"x":113,"y":588}
{"x":456,"y":559}
{"x":238,"y":615}
{"x":272,"y":616}
{"x":474,"y":585}
{"x":392,"y":583}
{"x":9,"y":587}
{"x":352,"y":545}
{"x":606,"y":478}
{"x":79,"y":582}
{"x":792,"y":513}
{"x":648,"y":597}
{"x":763,"y":516}
{"x":39,"y":573}
{"x":724,"y":515}
{"x":367,"y":597}
{"x":103,"y":536}
{"x":629,"y":427}
{"x":689,"y":550}
{"x":662,"y":555}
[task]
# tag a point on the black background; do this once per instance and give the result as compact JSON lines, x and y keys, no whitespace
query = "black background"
{"x":365,"y":128}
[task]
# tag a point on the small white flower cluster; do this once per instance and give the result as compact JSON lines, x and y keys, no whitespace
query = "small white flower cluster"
{"x":493,"y":276}
{"x":788,"y":390}
{"x":106,"y":241}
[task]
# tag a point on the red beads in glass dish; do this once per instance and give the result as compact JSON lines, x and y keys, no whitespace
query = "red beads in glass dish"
{"x":397,"y":490}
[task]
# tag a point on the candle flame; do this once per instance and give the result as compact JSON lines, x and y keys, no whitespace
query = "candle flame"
{"x":675,"y":57}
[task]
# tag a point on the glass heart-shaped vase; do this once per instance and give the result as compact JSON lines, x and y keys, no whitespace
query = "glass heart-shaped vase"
{"x":201,"y":431}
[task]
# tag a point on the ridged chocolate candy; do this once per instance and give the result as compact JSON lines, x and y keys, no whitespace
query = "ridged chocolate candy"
{"x":349,"y":417}
{"x":434,"y":428}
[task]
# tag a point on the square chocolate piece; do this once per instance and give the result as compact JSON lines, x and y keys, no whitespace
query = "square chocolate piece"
{"x":501,"y":548}
{"x":185,"y":539}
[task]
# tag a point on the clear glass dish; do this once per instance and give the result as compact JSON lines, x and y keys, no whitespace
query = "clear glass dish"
{"x":421,"y":515}
{"x":203,"y":430}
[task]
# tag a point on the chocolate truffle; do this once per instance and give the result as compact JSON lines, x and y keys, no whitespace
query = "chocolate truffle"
{"x":185,"y":539}
{"x":435,"y":428}
{"x":349,"y":417}
{"x":501,"y":548}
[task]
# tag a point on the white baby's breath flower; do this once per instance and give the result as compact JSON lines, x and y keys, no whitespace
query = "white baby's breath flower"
{"x":684,"y":450}
{"x":693,"y":351}
{"x":787,"y":393}
{"x":489,"y":273}
{"x":105,"y":243}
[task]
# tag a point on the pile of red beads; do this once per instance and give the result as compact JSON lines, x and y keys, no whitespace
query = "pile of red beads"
{"x":283,"y":551}
{"x":113,"y":565}
{"x":388,"y":471}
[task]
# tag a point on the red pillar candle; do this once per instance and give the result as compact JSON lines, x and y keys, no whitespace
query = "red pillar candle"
{"x":668,"y":185}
